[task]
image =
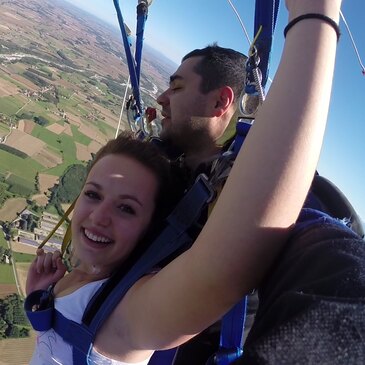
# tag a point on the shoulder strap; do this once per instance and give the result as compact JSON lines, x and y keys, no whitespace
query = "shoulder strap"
{"x":174,"y":236}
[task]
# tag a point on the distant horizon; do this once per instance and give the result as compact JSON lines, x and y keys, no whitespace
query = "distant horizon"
{"x":174,"y":36}
{"x":115,"y":26}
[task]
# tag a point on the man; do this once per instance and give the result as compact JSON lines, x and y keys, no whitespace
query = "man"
{"x":201,"y":100}
{"x":197,"y":109}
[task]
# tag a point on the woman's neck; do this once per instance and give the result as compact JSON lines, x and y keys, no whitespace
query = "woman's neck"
{"x":76,"y":279}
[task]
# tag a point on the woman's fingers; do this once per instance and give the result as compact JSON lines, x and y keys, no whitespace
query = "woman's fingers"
{"x":60,"y":269}
{"x":47,"y":262}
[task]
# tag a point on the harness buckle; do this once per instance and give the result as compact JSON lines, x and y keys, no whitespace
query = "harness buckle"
{"x":220,"y":166}
{"x":203,"y":180}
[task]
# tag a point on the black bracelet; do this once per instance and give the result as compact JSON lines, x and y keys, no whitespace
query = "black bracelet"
{"x":325,"y":18}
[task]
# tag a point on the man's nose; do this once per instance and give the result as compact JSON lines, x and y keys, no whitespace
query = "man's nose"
{"x":163,"y":98}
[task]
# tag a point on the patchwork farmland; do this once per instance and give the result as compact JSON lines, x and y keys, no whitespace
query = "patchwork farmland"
{"x":62,"y":79}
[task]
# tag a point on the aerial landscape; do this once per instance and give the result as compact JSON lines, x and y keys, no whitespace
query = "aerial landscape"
{"x":63,"y":75}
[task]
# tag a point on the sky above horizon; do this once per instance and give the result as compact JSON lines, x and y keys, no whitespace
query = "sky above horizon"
{"x":176,"y":27}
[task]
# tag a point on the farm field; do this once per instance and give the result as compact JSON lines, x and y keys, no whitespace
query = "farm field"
{"x":10,"y":350}
{"x":11,"y":207}
{"x":6,"y":274}
{"x":62,"y":79}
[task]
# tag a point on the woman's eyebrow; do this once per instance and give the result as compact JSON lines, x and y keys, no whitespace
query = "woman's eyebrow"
{"x":121,"y":196}
{"x":96,"y":185}
{"x":131,"y":197}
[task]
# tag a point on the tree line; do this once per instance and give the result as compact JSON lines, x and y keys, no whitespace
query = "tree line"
{"x":13,"y":322}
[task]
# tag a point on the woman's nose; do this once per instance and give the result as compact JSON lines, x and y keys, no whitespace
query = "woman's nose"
{"x":101,"y":214}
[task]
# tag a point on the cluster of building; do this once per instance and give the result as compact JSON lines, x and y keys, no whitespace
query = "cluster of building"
{"x":38,"y":93}
{"x":33,"y":236}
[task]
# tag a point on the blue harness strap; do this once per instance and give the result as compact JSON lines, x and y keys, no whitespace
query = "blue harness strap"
{"x":130,"y":60}
{"x":231,"y":346}
{"x":231,"y":341}
{"x":41,"y":317}
{"x":142,"y":14}
{"x":173,"y":237}
{"x":77,"y":334}
{"x":266,"y":12}
{"x":242,"y":128}
{"x":165,"y":357}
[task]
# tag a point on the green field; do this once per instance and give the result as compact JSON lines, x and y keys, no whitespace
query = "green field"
{"x":106,"y":129}
{"x":4,"y":193}
{"x":73,"y":78}
{"x":38,"y":108}
{"x":3,"y":243}
{"x":54,"y":150}
{"x":60,"y":169}
{"x":47,"y":136}
{"x":23,"y":257}
{"x":14,"y":82}
{"x":9,"y":105}
{"x":63,"y":143}
{"x":66,"y":93}
{"x":25,"y":168}
{"x":79,"y":137}
{"x":20,"y":186}
{"x":6,"y":274}
{"x":4,"y":129}
{"x":68,"y":104}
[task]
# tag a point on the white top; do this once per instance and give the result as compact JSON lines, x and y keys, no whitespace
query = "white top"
{"x":51,"y":349}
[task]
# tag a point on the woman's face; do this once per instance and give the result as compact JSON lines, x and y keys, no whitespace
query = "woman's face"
{"x":113,"y":211}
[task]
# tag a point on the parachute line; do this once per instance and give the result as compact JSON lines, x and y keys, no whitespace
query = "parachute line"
{"x":241,"y":22}
{"x":353,"y":43}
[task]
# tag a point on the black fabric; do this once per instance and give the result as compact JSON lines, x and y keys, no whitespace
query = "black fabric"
{"x":198,"y":350}
{"x":326,"y":197}
{"x":312,"y":303}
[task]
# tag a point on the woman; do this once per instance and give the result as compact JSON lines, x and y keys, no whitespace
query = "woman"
{"x":229,"y":258}
{"x":114,"y":217}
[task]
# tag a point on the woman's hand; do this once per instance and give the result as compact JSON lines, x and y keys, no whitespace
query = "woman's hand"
{"x":46,"y":269}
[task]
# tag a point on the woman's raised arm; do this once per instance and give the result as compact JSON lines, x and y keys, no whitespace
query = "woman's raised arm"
{"x":259,"y":203}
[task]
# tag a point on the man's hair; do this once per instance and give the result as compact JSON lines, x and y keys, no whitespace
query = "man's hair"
{"x":219,"y":67}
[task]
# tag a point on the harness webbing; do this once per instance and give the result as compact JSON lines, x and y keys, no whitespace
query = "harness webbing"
{"x":142,"y":13}
{"x":266,"y":12}
{"x":188,"y":211}
{"x":132,"y":66}
{"x":173,"y":237}
{"x":231,"y":341}
{"x":231,"y":346}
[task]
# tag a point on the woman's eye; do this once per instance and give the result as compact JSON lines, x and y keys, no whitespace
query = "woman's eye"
{"x":125,"y":208}
{"x":91,"y":194}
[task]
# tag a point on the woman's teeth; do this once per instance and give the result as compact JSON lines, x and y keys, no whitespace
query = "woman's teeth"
{"x":95,"y":238}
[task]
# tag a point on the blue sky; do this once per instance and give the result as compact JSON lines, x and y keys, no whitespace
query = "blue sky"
{"x":175,"y":27}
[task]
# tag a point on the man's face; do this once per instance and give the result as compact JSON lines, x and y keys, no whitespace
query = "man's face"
{"x":188,"y":114}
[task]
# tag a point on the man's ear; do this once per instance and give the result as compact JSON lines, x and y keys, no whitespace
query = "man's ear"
{"x":225,"y":98}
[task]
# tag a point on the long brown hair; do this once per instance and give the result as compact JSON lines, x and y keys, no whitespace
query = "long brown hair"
{"x":170,"y":184}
